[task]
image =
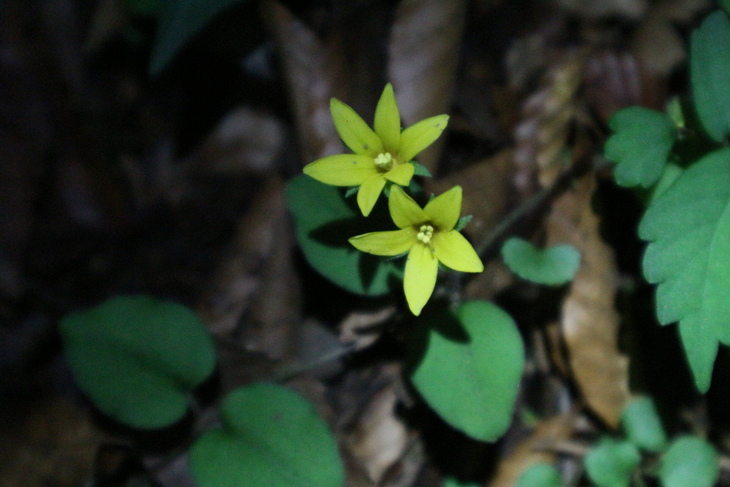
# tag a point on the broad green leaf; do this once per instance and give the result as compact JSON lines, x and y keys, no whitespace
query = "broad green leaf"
{"x":688,"y":256}
{"x":642,"y":425}
{"x":553,"y":266}
{"x":612,"y":462}
{"x":710,"y":74}
{"x":138,"y":357}
{"x":179,"y":21}
{"x":452,"y":482}
{"x":324,"y":221}
{"x":540,"y":475}
{"x":689,"y":462}
{"x":640,"y":145}
{"x":669,"y":175}
{"x":270,"y":437}
{"x":470,"y":369}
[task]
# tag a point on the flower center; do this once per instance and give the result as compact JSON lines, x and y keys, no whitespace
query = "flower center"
{"x":425,"y":233}
{"x":384,"y":161}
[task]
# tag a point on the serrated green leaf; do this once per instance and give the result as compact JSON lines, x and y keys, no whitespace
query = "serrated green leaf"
{"x":179,"y":22}
{"x":642,"y":425}
{"x":640,"y":145}
{"x":553,"y":266}
{"x":271,"y":437}
{"x":710,"y":74}
{"x":540,"y":475}
{"x":689,"y":462}
{"x":470,"y":369}
{"x":324,"y":221}
{"x":688,"y":256}
{"x":612,"y":463}
{"x":138,"y":357}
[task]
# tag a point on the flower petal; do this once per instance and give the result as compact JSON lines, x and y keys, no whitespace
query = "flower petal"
{"x":420,"y":277}
{"x":455,"y":251}
{"x":403,"y":210}
{"x":353,"y":130}
{"x":401,"y":174}
{"x":444,"y":210}
{"x":368,"y":193}
{"x":419,"y":136}
{"x":387,"y":120}
{"x":390,"y":243}
{"x":342,"y":169}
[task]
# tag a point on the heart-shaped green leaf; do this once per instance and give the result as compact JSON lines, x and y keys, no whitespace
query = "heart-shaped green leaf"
{"x":540,"y":475}
{"x":271,"y":437}
{"x":689,"y":462}
{"x":643,"y":426}
{"x":553,"y":266}
{"x":612,"y":462}
{"x":688,"y":227}
{"x":470,"y":369}
{"x":640,"y":145}
{"x":138,"y":357}
{"x":324,"y":221}
{"x":179,"y":21}
{"x":710,"y":74}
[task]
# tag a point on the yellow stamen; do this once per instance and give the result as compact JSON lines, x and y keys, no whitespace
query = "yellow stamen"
{"x":425,"y":233}
{"x":384,"y":161}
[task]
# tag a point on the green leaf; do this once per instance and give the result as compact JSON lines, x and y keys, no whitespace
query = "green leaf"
{"x":270,"y":437}
{"x":669,"y":175}
{"x":452,"y":482}
{"x":689,"y":462}
{"x":324,"y":221}
{"x":540,"y":475}
{"x":710,"y":74}
{"x":640,"y":145}
{"x":470,"y":369}
{"x":554,"y":266}
{"x":463,"y":222}
{"x":138,"y":357}
{"x":179,"y":22}
{"x":421,"y":170}
{"x":688,"y":227}
{"x":643,"y":426}
{"x":612,"y":463}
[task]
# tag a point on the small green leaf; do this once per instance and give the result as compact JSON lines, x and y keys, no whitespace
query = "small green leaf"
{"x":643,"y":426}
{"x":324,"y":221}
{"x":689,"y":462}
{"x":179,"y":22}
{"x":669,"y":175}
{"x":271,"y":437}
{"x":138,"y":357}
{"x":540,"y":475}
{"x":640,"y":145}
{"x":463,"y":222}
{"x":421,"y":170}
{"x":470,"y":369}
{"x":688,"y":256}
{"x":710,"y":74}
{"x":452,"y":482}
{"x":553,"y":267}
{"x":612,"y":463}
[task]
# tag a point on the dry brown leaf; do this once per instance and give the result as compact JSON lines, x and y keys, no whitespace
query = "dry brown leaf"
{"x":588,"y":316}
{"x":423,"y":56}
{"x":314,"y":73}
{"x":359,"y":328}
{"x":532,"y":449}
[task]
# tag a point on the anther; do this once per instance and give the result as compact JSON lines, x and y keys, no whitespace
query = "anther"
{"x":384,"y":161}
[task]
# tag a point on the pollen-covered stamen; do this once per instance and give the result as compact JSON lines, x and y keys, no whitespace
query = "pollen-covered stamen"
{"x":384,"y":161}
{"x":425,"y":233}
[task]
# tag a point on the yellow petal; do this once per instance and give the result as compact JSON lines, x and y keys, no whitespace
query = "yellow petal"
{"x":368,"y":193}
{"x":342,"y":169}
{"x":420,"y":277}
{"x":444,"y":210}
{"x":387,"y":120}
{"x":353,"y":130}
{"x":403,"y":210}
{"x":401,"y":174}
{"x":455,"y":252}
{"x":419,"y":136}
{"x":391,"y":243}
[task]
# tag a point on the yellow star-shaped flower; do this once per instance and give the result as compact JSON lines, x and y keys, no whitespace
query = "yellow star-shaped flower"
{"x":428,"y":235}
{"x":384,"y":154}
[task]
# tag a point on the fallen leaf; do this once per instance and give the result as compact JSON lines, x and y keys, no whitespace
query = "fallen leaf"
{"x":588,"y":316}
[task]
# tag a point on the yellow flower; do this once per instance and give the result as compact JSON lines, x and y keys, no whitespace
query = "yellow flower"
{"x":428,"y":235}
{"x":384,"y":154}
